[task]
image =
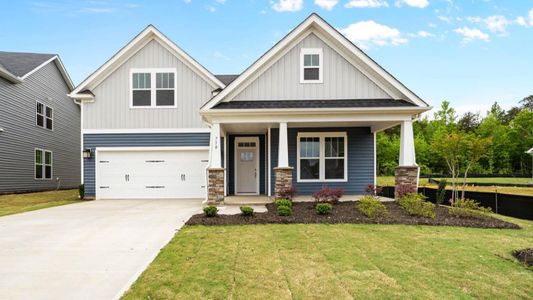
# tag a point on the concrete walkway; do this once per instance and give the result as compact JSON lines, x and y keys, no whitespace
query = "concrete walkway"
{"x":90,"y":250}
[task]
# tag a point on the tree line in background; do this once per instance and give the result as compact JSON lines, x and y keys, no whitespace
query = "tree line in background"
{"x":468,"y":144}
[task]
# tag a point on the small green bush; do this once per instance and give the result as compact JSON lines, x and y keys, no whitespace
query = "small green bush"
{"x":247,"y":211}
{"x":323,"y":208}
{"x":416,"y":205}
{"x":465,"y":208}
{"x":210,"y":211}
{"x":283,"y":202}
{"x":372,"y":207}
{"x":284,"y":211}
{"x":81,"y":190}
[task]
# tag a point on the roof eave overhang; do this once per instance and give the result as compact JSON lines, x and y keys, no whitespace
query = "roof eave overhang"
{"x":9,"y":77}
{"x":285,"y":111}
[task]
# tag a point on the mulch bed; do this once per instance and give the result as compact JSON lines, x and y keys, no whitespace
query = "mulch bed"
{"x":525,"y":256}
{"x":345,"y":212}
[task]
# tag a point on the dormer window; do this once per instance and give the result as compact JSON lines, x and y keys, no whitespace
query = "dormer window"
{"x":153,"y":88}
{"x":311,"y":65}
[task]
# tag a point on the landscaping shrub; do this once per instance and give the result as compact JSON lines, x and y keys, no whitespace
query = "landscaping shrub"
{"x":402,"y":190}
{"x":372,"y":207}
{"x":284,"y":211}
{"x":373,"y":190}
{"x":328,"y":195}
{"x":323,"y":208}
{"x":283,"y":202}
{"x":416,"y":205}
{"x":441,"y":192}
{"x":465,"y":208}
{"x":210,"y":211}
{"x":81,"y":191}
{"x":287,"y":193}
{"x":247,"y":211}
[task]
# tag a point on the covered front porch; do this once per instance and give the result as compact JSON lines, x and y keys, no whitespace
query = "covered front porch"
{"x":254,"y":161}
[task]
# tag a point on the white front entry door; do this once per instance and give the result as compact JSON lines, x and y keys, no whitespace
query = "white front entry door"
{"x":247,"y":165}
{"x":151,"y":174}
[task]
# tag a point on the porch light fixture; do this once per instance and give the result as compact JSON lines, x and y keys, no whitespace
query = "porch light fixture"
{"x":87,"y":153}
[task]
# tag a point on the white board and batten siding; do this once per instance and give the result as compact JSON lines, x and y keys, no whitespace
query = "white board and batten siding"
{"x":111,"y":108}
{"x":341,"y":79}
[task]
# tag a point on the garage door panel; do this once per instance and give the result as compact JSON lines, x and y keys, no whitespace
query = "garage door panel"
{"x":152,"y":174}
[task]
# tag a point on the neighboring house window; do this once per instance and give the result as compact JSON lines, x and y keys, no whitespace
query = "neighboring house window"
{"x":45,"y":115}
{"x":144,"y":93}
{"x":43,"y":164}
{"x":311,"y":65}
{"x":322,"y":156}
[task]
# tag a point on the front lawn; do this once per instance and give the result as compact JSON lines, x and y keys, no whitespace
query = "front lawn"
{"x":17,"y":203}
{"x":343,"y":261}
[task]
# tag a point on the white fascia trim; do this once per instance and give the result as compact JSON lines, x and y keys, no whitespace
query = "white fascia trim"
{"x":9,"y":76}
{"x":60,"y":66}
{"x":173,"y":148}
{"x":147,"y":130}
{"x":412,"y":109}
{"x":133,"y":47}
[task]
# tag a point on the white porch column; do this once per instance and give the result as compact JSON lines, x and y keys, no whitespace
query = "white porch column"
{"x":283,"y":149}
{"x":407,"y":145}
{"x":215,"y":147}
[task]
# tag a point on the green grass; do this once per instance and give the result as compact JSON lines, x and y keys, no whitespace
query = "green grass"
{"x":17,"y":203}
{"x":339,"y":262}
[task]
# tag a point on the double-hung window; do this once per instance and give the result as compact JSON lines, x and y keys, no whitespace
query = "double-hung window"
{"x":322,"y":156}
{"x":44,"y":117}
{"x":311,"y":65}
{"x":43,"y":164}
{"x":153,"y":88}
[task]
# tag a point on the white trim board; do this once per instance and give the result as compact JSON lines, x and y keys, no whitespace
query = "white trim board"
{"x":317,"y":25}
{"x":146,"y":130}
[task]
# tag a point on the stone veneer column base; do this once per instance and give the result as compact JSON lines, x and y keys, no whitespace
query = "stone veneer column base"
{"x":283,"y":179}
{"x":215,"y":185}
{"x":405,"y":179}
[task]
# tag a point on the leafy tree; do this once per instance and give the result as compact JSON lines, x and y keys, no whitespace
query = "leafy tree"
{"x":527,"y":103}
{"x":469,"y":122}
{"x":446,"y":115}
{"x":474,"y":149}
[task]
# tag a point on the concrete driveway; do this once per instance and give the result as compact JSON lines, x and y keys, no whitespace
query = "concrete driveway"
{"x":90,"y":250}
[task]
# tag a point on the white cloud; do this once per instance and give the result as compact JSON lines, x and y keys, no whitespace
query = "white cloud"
{"x":326,"y":4}
{"x":366,"y":3}
{"x":424,"y":34}
{"x":287,"y":5}
{"x":444,"y":19}
{"x":521,"y":21}
{"x":413,"y":3}
{"x":369,"y":33}
{"x":525,"y":21}
{"x":432,"y":25}
{"x":470,"y":34}
{"x":211,"y":8}
{"x":496,"y":24}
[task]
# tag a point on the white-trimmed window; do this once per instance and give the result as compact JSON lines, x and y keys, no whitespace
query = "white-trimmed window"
{"x":44,"y":116}
{"x":43,"y":164}
{"x":322,"y":156}
{"x":311,"y":65}
{"x":153,"y":88}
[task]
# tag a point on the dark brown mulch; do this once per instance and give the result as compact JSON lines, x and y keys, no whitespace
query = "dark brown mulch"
{"x":525,"y":256}
{"x":345,"y":212}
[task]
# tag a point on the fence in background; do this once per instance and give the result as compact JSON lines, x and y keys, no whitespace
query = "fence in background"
{"x":505,"y":204}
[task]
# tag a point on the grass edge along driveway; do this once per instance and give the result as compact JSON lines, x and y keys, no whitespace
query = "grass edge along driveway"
{"x":339,"y":262}
{"x":17,"y":203}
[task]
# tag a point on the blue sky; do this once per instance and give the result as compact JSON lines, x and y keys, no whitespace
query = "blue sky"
{"x":470,"y":52}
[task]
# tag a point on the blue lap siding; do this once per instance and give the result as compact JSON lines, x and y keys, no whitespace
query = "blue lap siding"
{"x":231,"y":163}
{"x":360,"y":160}
{"x":134,"y":140}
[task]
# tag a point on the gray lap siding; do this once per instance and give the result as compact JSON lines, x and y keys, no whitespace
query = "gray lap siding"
{"x":360,"y":160}
{"x":134,"y":140}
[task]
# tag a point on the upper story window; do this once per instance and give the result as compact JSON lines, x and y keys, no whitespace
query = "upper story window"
{"x":144,"y":93}
{"x":311,"y":65}
{"x":44,"y":117}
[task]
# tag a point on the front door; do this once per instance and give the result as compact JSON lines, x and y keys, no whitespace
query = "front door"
{"x":247,"y":165}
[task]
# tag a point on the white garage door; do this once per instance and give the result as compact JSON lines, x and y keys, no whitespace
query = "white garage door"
{"x":151,"y":174}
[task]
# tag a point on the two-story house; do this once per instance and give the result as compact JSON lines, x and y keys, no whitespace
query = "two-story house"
{"x":157,"y":124}
{"x":39,"y":124}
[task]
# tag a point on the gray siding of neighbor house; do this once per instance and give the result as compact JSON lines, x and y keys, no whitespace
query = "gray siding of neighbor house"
{"x":231,"y":163}
{"x":360,"y":160}
{"x":111,"y":109}
{"x":21,"y":134}
{"x":134,"y":140}
{"x":341,"y":80}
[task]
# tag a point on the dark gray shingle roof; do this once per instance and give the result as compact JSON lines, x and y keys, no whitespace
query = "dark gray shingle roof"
{"x":20,"y":64}
{"x":272,"y":104}
{"x":226,"y":79}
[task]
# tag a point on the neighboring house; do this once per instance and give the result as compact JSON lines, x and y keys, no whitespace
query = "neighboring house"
{"x":304,"y":114}
{"x":39,"y":124}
